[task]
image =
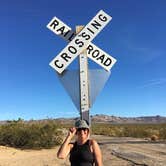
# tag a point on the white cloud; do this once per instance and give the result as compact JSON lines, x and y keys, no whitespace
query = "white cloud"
{"x":139,"y":48}
{"x":154,"y":82}
{"x":147,"y":55}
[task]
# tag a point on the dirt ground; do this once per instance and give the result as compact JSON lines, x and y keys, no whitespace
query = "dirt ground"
{"x":116,"y":152}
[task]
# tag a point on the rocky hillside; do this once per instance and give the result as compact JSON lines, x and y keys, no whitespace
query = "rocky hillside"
{"x":115,"y":119}
{"x":100,"y":118}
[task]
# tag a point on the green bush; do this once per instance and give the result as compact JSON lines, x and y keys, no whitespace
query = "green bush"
{"x":48,"y":133}
{"x":162,"y":132}
{"x":25,"y":135}
{"x":130,"y":130}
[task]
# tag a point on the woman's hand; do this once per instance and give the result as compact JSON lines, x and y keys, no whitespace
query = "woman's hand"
{"x":72,"y":132}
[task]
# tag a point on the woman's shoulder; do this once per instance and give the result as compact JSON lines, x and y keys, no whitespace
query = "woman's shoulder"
{"x":93,"y":144}
{"x":92,"y":141}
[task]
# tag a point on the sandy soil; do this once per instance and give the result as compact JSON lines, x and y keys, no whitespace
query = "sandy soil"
{"x":116,"y":152}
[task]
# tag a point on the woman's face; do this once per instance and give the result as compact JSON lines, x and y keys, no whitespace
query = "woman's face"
{"x":82,"y":133}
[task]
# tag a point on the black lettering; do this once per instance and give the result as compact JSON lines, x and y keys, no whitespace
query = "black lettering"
{"x":66,"y":33}
{"x":80,"y":43}
{"x":71,"y":37}
{"x":61,"y":30}
{"x":65,"y":56}
{"x":90,"y":30}
{"x":54,"y":23}
{"x":95,"y":52}
{"x":84,"y":35}
{"x":101,"y":58}
{"x":89,"y":49}
{"x":96,"y":24}
{"x":107,"y":62}
{"x":102,"y":18}
{"x":72,"y":49}
{"x":56,"y":64}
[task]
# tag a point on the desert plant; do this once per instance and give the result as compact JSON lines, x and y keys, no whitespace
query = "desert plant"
{"x":24,"y":135}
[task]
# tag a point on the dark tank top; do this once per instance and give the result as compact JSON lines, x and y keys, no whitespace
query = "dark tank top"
{"x":81,"y":155}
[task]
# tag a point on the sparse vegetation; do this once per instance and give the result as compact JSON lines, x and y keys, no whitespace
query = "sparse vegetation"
{"x":48,"y":133}
{"x":30,"y":135}
{"x":131,"y":130}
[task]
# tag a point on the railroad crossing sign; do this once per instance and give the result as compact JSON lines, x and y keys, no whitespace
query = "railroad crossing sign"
{"x":80,"y":44}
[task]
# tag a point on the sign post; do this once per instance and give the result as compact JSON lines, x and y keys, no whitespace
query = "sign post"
{"x":80,"y":44}
{"x":84,"y":83}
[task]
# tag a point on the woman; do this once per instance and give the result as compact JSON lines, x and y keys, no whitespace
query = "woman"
{"x":84,"y":152}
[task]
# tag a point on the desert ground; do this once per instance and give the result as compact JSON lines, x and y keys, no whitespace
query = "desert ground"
{"x":116,"y":152}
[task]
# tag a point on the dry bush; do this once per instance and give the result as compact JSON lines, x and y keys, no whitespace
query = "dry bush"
{"x":154,"y":138}
{"x":36,"y":135}
{"x":162,"y":132}
{"x":131,"y":130}
{"x":48,"y":133}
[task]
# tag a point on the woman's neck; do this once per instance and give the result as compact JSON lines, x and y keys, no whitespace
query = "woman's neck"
{"x":81,"y":142}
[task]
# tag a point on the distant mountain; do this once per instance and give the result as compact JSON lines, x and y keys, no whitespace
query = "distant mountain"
{"x":114,"y":119}
{"x":100,"y":118}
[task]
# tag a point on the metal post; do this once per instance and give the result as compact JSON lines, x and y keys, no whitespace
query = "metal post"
{"x":84,"y":83}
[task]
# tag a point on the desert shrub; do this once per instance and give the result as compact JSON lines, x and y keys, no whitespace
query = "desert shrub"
{"x":162,"y":132}
{"x":46,"y":134}
{"x":106,"y":129}
{"x":24,"y":135}
{"x":130,"y":130}
{"x":137,"y":131}
{"x":154,"y":138}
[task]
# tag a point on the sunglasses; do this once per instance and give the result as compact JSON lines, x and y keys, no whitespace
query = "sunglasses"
{"x":81,"y":129}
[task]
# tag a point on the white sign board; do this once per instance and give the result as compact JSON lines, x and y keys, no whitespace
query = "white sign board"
{"x":93,"y":52}
{"x":80,"y":42}
{"x":100,"y":57}
{"x":61,"y":29}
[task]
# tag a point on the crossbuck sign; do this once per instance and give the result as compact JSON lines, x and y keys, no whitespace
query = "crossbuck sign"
{"x":80,"y":44}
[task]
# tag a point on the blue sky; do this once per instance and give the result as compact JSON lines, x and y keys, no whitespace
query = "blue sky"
{"x":136,"y":37}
